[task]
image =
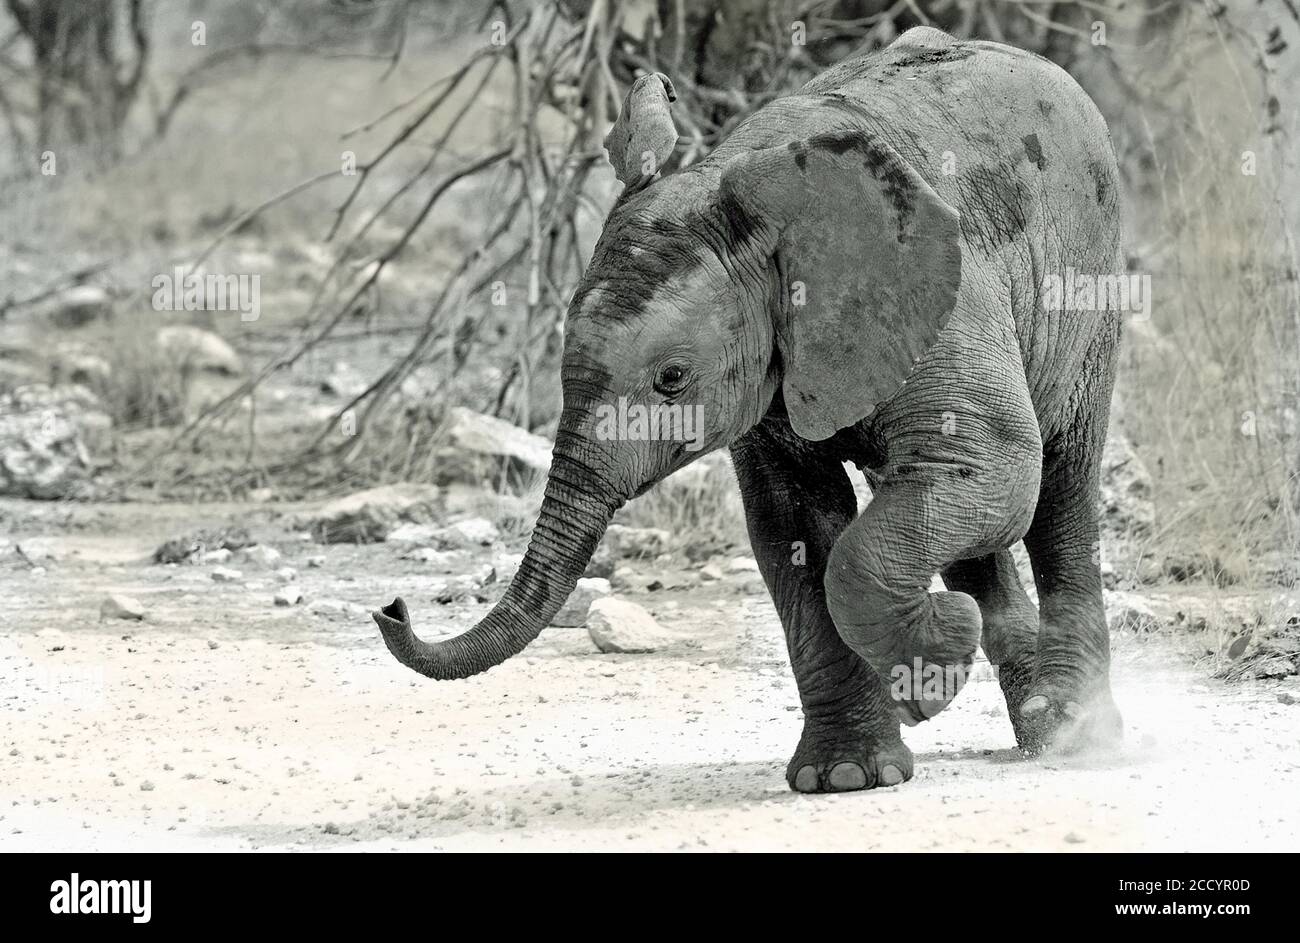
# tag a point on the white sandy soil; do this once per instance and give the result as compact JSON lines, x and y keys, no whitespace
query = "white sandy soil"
{"x":222,"y":722}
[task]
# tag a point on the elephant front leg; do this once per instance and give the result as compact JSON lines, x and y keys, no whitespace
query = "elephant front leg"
{"x":926,"y":514}
{"x":796,"y":505}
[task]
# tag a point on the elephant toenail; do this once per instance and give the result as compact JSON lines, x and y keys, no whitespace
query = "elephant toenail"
{"x":1034,"y":705}
{"x":806,"y":779}
{"x":891,"y":776}
{"x":1071,"y":710}
{"x":848,"y":776}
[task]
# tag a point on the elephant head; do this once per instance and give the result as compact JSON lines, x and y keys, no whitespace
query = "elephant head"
{"x":822,"y":268}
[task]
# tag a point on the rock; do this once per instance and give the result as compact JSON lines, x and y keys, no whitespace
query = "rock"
{"x":507,"y":565}
{"x":619,"y":626}
{"x":197,"y":349}
{"x":574,"y":611}
{"x":225,"y":575}
{"x":465,"y":500}
{"x":77,"y":364}
{"x":742,"y":565}
{"x":601,"y":564}
{"x":462,"y":535}
{"x":413,"y":534}
{"x":78,"y":306}
{"x":204,"y":546}
{"x":474,"y":532}
{"x":115,"y":606}
{"x":442,"y":558}
{"x":487,"y":435}
{"x":316,"y":562}
{"x":464,"y":589}
{"x":1131,"y":614}
{"x":43,"y":433}
{"x":261,"y":555}
{"x":624,"y":541}
{"x":286,"y":574}
{"x":369,"y":516}
{"x":1149,"y":569}
{"x":710,"y":571}
{"x":338,"y":607}
{"x":289,"y":596}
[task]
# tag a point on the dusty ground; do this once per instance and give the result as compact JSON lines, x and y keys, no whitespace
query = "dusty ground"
{"x":224,"y":722}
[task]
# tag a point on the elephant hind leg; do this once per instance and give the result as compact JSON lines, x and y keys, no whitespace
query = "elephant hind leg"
{"x":1069,"y":703}
{"x":924,"y":517}
{"x":1010,"y":623}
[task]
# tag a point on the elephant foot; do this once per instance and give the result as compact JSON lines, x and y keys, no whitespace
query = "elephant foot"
{"x":927,"y":689}
{"x":924,"y":680}
{"x":1068,"y":719}
{"x":846,"y":758}
{"x":1015,"y":677}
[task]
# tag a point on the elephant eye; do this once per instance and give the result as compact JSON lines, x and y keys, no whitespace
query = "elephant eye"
{"x":671,"y":379}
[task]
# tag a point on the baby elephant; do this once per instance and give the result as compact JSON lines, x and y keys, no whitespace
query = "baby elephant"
{"x":862,"y":272}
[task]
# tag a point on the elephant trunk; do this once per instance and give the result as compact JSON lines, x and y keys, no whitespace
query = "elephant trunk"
{"x":575,"y":511}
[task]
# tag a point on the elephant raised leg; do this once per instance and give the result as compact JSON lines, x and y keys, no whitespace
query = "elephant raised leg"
{"x":796,"y":504}
{"x":927,"y":514}
{"x":1010,"y":623}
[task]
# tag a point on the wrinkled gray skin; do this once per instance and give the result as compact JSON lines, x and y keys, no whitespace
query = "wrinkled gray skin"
{"x":828,"y":294}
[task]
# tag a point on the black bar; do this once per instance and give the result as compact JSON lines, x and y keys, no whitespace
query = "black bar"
{"x":892,"y":893}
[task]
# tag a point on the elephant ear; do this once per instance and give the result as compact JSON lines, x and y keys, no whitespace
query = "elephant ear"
{"x":871,"y":260}
{"x":644,"y":135}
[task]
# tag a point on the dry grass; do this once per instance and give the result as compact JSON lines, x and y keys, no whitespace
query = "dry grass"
{"x":700,"y":507}
{"x":144,"y":387}
{"x":1210,"y":395}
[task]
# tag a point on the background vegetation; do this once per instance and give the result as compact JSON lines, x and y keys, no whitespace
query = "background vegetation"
{"x":439,"y":273}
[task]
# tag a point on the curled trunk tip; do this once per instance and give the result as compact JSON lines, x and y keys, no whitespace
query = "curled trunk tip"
{"x":569,"y":526}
